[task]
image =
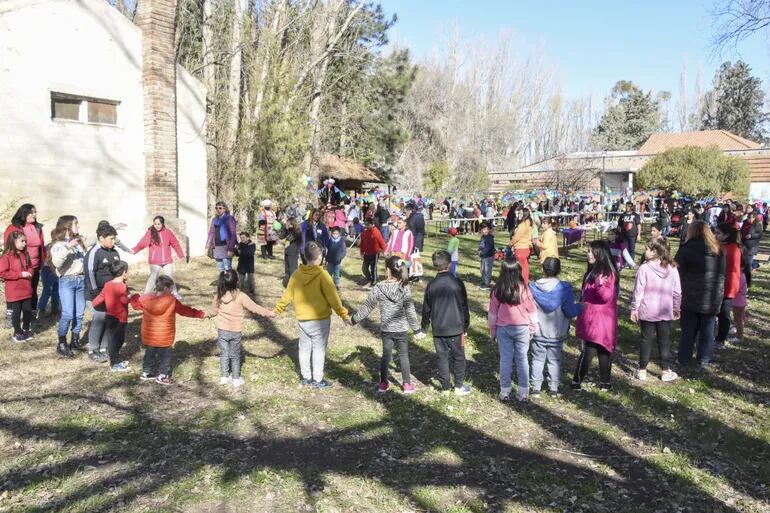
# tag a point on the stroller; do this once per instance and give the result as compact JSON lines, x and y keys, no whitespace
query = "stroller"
{"x":676,"y":224}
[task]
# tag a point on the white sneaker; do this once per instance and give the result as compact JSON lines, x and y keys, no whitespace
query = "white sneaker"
{"x":641,"y":374}
{"x":668,"y":376}
{"x":463,"y":390}
{"x":238,"y":382}
{"x":225,"y":380}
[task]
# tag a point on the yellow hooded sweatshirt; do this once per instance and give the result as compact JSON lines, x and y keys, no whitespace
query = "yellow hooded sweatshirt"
{"x":313,"y":293}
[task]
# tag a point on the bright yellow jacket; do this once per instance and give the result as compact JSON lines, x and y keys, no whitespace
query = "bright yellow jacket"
{"x":522,"y":236}
{"x":313,"y":293}
{"x":549,"y":245}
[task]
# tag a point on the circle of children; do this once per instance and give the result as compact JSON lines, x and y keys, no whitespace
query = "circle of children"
{"x":701,"y":287}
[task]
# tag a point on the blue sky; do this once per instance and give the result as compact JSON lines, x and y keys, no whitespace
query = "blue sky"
{"x":593,"y":43}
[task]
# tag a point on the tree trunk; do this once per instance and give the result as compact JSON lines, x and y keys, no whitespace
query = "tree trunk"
{"x":234,"y":86}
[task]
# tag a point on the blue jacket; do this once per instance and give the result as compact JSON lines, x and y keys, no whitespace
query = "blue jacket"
{"x":556,"y":305}
{"x":337,"y":251}
{"x":487,"y":246}
{"x":318,"y":233}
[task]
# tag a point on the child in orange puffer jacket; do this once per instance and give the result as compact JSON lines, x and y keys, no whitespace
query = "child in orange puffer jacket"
{"x":159,"y":312}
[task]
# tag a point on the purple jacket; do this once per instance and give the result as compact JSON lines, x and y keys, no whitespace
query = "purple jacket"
{"x":232,"y":234}
{"x":598,"y":323}
{"x":657,"y":293}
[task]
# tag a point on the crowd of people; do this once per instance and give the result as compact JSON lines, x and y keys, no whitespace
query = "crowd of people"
{"x":703,"y":286}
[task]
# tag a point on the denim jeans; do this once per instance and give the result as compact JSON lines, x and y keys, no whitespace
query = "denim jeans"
{"x":369,"y":268}
{"x":334,"y":270}
{"x":700,"y":327}
{"x":546,"y":353}
{"x":157,"y":357}
{"x":313,"y":337}
{"x":229,"y":353}
{"x":486,"y":271}
{"x":453,"y":268}
{"x":73,"y":303}
{"x":50,"y":290}
{"x":224,"y":264}
{"x":513,"y":343}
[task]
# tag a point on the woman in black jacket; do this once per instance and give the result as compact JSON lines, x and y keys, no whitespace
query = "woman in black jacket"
{"x":702,"y":270}
{"x":751,"y":234}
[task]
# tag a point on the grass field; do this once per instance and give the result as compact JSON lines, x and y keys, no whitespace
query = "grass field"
{"x":75,"y":438}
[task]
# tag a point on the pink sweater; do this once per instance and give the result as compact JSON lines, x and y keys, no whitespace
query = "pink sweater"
{"x":523,"y":314}
{"x":160,"y":254}
{"x":401,"y":242}
{"x":657,"y":293}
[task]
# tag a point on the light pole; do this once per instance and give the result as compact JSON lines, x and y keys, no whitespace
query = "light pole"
{"x":601,"y":179}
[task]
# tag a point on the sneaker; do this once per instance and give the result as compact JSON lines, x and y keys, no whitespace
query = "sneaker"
{"x":225,"y":380}
{"x":734,"y":339}
{"x":668,"y":376}
{"x":164,"y":380}
{"x":63,"y":351}
{"x":305,"y":382}
{"x":103,"y":357}
{"x":18,"y":337}
{"x":733,"y":330}
{"x":27,"y":335}
{"x":95,"y":356}
{"x":323,"y":384}
{"x":523,"y":400}
{"x":535,"y":394}
{"x":504,"y":397}
{"x":640,"y":374}
{"x":238,"y":382}
{"x":120,"y":367}
{"x":383,"y":387}
{"x":463,"y":390}
{"x":554,"y":393}
{"x":408,"y":388}
{"x":575,"y":385}
{"x":718,"y":345}
{"x":484,"y":287}
{"x":146,"y":376}
{"x":606,"y":387}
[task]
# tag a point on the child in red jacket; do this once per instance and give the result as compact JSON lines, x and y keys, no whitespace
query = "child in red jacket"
{"x":114,"y":295}
{"x":372,"y":244}
{"x":16,"y":270}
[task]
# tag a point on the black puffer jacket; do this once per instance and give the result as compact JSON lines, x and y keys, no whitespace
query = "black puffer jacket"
{"x":416,"y":224}
{"x":703,"y":277}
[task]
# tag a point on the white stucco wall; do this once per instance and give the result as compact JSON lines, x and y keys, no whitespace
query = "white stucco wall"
{"x":191,"y":157}
{"x":760,"y":190}
{"x":87,"y":48}
{"x":95,"y":172}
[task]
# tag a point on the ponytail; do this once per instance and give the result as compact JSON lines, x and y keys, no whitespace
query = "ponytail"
{"x":398,"y":270}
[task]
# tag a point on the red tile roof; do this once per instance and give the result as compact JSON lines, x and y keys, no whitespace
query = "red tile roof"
{"x":725,"y":140}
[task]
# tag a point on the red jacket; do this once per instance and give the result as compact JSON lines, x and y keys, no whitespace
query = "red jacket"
{"x":37,"y":254}
{"x":159,"y":317}
{"x":16,"y":287}
{"x":160,"y":254}
{"x":372,"y":242}
{"x":733,"y":275}
{"x":115,"y":297}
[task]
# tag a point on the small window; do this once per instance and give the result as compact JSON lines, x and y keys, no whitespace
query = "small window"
{"x":104,"y":113}
{"x":65,"y":108}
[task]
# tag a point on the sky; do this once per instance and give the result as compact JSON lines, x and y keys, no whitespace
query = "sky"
{"x":592,"y":43}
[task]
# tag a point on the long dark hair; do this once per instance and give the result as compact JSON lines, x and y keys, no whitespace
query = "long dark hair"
{"x":63,"y":229}
{"x":398,"y":270}
{"x":154,"y":234}
{"x":746,"y":268}
{"x":228,"y":282}
{"x":10,"y":247}
{"x":20,"y":217}
{"x":510,"y":284}
{"x":526,"y":216}
{"x":604,"y":264}
{"x":730,"y":231}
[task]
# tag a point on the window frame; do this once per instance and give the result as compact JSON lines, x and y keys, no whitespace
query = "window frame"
{"x":83,"y":110}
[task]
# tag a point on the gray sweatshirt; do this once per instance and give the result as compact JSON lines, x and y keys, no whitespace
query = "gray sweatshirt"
{"x":397,"y":313}
{"x":555,"y":306}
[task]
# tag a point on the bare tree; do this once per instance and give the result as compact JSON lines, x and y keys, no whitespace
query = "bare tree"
{"x":736,"y":20}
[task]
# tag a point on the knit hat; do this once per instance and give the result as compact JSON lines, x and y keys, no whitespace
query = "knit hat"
{"x":452,"y":231}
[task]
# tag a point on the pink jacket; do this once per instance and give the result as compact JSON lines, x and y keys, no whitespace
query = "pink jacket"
{"x":598,"y":323}
{"x":401,"y":241}
{"x":741,"y":300}
{"x":523,"y":314}
{"x":160,"y":254}
{"x":657,"y":293}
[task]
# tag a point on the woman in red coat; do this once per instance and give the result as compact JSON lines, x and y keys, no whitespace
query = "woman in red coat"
{"x":727,"y":236}
{"x":16,"y":271}
{"x":25,"y":221}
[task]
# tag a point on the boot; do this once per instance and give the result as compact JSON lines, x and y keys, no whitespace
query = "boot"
{"x":63,"y":349}
{"x":75,"y":343}
{"x":8,"y":319}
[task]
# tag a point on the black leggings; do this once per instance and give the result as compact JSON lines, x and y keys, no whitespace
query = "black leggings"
{"x":723,"y":329}
{"x":586,"y":357}
{"x":116,"y":335}
{"x":21,"y":315}
{"x":266,"y":250}
{"x":35,"y":281}
{"x":649,"y":331}
{"x":388,"y":341}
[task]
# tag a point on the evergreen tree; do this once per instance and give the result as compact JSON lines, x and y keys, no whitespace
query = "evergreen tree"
{"x":629,"y":120}
{"x":736,"y":102}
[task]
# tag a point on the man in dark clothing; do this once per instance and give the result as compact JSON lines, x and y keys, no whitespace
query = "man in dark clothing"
{"x":629,"y":226}
{"x":445,"y":306}
{"x":415,"y":221}
{"x":97,"y":270}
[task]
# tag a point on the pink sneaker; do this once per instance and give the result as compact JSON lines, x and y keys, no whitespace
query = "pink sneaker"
{"x":383,"y":387}
{"x":409,"y":388}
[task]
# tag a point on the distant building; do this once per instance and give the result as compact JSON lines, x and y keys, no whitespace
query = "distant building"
{"x":614,"y":170}
{"x":91,"y":125}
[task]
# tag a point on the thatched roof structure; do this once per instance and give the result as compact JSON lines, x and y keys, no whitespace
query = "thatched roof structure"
{"x":344,"y":170}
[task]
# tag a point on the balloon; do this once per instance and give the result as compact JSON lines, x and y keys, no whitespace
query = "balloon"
{"x":277,"y":226}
